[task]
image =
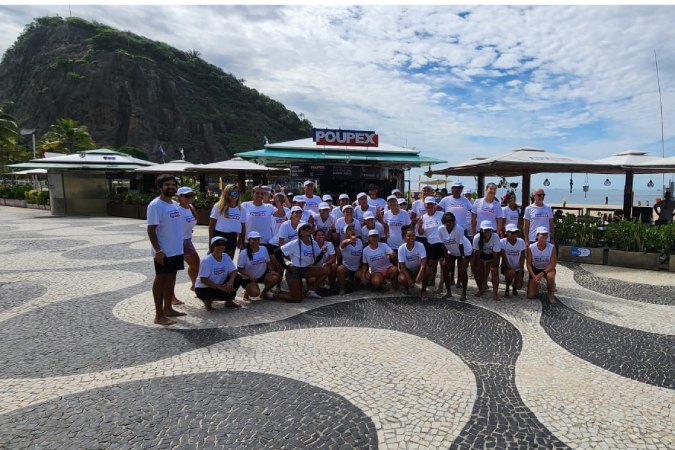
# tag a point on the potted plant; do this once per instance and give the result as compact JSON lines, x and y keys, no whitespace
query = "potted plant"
{"x":577,"y":239}
{"x":635,"y":244}
{"x":203,"y":203}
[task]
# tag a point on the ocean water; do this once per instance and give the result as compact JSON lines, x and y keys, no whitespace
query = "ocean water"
{"x":595,"y":196}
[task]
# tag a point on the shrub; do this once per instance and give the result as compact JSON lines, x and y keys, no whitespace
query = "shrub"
{"x":581,"y":231}
{"x":632,"y":235}
{"x":204,"y":201}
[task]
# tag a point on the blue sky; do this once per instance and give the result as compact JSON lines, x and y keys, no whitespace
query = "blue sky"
{"x":452,"y":81}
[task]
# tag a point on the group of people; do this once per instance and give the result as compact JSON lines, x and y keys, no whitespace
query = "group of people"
{"x":371,"y":241}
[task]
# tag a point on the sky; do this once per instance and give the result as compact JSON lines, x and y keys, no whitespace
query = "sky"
{"x":452,"y":81}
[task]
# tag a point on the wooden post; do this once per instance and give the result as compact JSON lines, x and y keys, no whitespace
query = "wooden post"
{"x":525,"y":200}
{"x":480,"y":187}
{"x":627,"y":195}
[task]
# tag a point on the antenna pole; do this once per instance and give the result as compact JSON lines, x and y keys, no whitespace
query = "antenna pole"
{"x":663,"y":146}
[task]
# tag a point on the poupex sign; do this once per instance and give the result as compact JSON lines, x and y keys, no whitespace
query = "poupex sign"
{"x":351,"y":138}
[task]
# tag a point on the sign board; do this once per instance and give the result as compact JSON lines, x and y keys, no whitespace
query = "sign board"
{"x":352,"y":138}
{"x":580,"y":251}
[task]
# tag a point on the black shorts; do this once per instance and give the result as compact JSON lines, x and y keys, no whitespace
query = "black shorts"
{"x":270,"y":249}
{"x":208,"y":293}
{"x":245,"y":281}
{"x":172,"y":264}
{"x":537,"y":271}
{"x":296,"y":272}
{"x":231,"y":239}
{"x":436,"y":251}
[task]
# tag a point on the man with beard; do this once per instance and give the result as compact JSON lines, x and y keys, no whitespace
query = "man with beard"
{"x":165,"y":230}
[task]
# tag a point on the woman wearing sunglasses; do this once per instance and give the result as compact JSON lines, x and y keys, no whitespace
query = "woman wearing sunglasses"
{"x":217,"y":278}
{"x":255,"y":267}
{"x":225,"y":219}
{"x":190,"y":255}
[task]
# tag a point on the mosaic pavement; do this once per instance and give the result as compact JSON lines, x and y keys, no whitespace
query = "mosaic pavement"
{"x":82,"y":365}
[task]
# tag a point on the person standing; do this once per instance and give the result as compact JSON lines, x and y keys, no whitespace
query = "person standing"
{"x":373,"y":200}
{"x":458,"y":205}
{"x":665,"y":209}
{"x":311,"y":201}
{"x":165,"y":231}
{"x":395,"y":219}
{"x":427,"y":226}
{"x":257,"y":216}
{"x":511,"y":211}
{"x":487,"y":208}
{"x":190,"y":255}
{"x":417,"y":210}
{"x":537,"y":215}
{"x":225,"y":220}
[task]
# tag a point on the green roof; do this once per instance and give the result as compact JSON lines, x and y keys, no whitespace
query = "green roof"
{"x":340,"y":156}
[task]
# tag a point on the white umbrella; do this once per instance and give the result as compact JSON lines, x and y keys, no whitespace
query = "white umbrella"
{"x":628,"y":158}
{"x":175,"y":166}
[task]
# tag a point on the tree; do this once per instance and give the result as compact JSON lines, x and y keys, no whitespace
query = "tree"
{"x":66,"y":136}
{"x":9,"y":134}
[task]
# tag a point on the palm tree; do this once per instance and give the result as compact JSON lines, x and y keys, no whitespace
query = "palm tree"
{"x":66,"y":136}
{"x":9,"y":135}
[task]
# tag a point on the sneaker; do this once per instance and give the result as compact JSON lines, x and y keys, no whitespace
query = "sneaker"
{"x":312,"y":294}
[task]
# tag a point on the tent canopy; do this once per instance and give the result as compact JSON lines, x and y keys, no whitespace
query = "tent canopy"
{"x":234,"y":165}
{"x":664,"y":164}
{"x":175,"y":166}
{"x":99,"y":159}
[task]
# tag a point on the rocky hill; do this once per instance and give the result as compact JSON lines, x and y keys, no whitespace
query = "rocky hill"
{"x":131,"y":91}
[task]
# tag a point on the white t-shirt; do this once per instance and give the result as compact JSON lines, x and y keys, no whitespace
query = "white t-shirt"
{"x":258,"y":218}
{"x":189,"y":222}
{"x":340,"y":226}
{"x":286,"y":231}
{"x":419,"y":209}
{"x":351,"y":255}
{"x":460,"y":207}
{"x":336,"y":213}
{"x":412,"y":258}
{"x":301,"y":254}
{"x":330,"y":250}
{"x":364,"y":231}
{"x":541,"y":258}
{"x":487,"y":211}
{"x":227,"y":224}
{"x":312,"y":204}
{"x":377,"y":203}
{"x":326,"y":226}
{"x":255,"y":266}
{"x":358,"y":212}
{"x":510,"y":215}
{"x":169,"y":221}
{"x":395,"y":223}
{"x":430,"y":225}
{"x":377,"y":259}
{"x":214,"y":270}
{"x":538,"y":216}
{"x":491,"y":246}
{"x":452,"y":239}
{"x":513,"y":252}
{"x":454,"y":249}
{"x":278,"y":221}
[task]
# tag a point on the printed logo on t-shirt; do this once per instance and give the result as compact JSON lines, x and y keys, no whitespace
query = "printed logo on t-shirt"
{"x":377,"y":257}
{"x":174,"y":214}
{"x":235,"y":216}
{"x":412,"y":257}
{"x":258,"y":261}
{"x":258,"y":213}
{"x":219,"y":271}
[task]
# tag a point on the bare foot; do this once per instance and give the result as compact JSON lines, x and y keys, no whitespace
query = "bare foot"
{"x":391,"y":290}
{"x":462,"y":298}
{"x":174,"y":313}
{"x":479,"y":293}
{"x":438,"y":291}
{"x":551,"y":300}
{"x":495,"y":297}
{"x":452,"y":282}
{"x":231,"y":304}
{"x":208,"y":304}
{"x":448,"y":295}
{"x":175,"y":301}
{"x":192,"y":288}
{"x":424,"y":295}
{"x":515,"y":293}
{"x":164,"y":321}
{"x":507,"y":294}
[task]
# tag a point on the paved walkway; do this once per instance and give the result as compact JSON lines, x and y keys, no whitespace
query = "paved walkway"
{"x":82,"y":365}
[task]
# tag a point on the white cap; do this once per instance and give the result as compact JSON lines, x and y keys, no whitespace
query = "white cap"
{"x":430,"y":199}
{"x":347,"y":225}
{"x":394,"y":191}
{"x":402,"y":201}
{"x":296,"y":208}
{"x":467,"y":191}
{"x":368,"y":215}
{"x":343,"y":197}
{"x":373,"y":232}
{"x":302,"y":225}
{"x":327,"y":198}
{"x":324,"y":205}
{"x":252,"y":235}
{"x":347,"y":207}
{"x":308,"y":182}
{"x":216,"y":239}
{"x":184,"y":190}
{"x":542,"y":230}
{"x":267,"y":188}
{"x":299,"y":198}
{"x":457,"y":184}
{"x":361,"y":194}
{"x":511,"y":228}
{"x":486,"y":225}
{"x":392,"y":197}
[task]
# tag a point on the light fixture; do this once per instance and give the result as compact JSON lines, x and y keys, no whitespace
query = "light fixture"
{"x":607,"y":182}
{"x":546,"y":182}
{"x":513,"y":185}
{"x":650,"y":184}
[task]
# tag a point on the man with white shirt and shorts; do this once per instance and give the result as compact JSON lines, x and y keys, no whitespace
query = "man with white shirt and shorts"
{"x":458,"y":205}
{"x":537,"y":215}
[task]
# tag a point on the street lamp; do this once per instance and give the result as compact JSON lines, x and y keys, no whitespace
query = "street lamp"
{"x":31,"y":131}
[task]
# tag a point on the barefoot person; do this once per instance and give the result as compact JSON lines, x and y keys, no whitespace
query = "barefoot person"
{"x":225,"y":219}
{"x":165,"y":230}
{"x":217,"y":276}
{"x":541,"y":262}
{"x":351,"y":249}
{"x":412,"y":263}
{"x":487,"y":248}
{"x":457,"y":248}
{"x":254,"y":266}
{"x":513,"y":259}
{"x":190,"y":255}
{"x":378,"y":263}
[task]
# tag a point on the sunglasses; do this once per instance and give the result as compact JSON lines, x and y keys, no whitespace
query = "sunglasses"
{"x":233,"y":193}
{"x":541,"y":195}
{"x":187,"y":195}
{"x":219,"y":243}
